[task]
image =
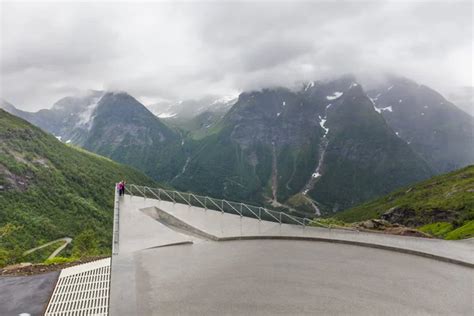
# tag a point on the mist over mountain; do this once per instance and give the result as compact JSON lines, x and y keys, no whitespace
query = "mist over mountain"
{"x":463,"y":97}
{"x":187,"y":50}
{"x":182,"y":110}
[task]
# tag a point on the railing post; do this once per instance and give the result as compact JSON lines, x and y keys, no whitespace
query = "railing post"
{"x":205,"y":202}
{"x":260,"y":214}
{"x":174,"y":197}
{"x":280,"y":218}
{"x":241,"y":210}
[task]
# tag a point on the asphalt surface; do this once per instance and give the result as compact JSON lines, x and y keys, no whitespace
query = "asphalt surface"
{"x":278,"y":277}
{"x":26,"y":294}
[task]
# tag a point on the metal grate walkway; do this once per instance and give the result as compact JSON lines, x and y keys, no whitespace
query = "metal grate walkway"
{"x":82,"y":290}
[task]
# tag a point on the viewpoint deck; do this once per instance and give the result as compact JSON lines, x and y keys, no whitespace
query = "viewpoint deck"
{"x":279,"y":270}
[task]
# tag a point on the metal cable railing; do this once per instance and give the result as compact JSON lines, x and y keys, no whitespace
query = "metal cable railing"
{"x":220,"y":205}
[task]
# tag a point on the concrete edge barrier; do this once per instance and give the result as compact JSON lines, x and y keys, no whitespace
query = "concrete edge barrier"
{"x":188,"y":242}
{"x":179,"y":225}
{"x":355,"y":243}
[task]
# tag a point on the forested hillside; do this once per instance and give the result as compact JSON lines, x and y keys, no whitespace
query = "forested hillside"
{"x":49,"y":190}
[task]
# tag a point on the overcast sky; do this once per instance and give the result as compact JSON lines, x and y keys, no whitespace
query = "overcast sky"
{"x":186,"y":50}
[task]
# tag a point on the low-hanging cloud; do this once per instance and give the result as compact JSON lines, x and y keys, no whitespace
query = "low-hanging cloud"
{"x":165,"y":50}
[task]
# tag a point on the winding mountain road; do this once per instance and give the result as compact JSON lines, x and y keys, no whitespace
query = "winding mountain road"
{"x":66,"y":240}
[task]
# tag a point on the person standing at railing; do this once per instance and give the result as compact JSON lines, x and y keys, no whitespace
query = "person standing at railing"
{"x":121,"y":188}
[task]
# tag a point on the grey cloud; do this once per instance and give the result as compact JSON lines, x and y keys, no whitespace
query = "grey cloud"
{"x":169,"y":50}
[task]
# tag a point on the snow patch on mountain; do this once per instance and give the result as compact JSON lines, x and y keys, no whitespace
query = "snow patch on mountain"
{"x":309,"y":85}
{"x":86,"y":116}
{"x":322,"y":122}
{"x":377,"y":109}
{"x":232,"y":98}
{"x":334,"y":96}
{"x":387,"y":108}
{"x":166,"y":115}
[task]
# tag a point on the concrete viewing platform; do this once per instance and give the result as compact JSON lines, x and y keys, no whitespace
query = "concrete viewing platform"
{"x":178,"y":259}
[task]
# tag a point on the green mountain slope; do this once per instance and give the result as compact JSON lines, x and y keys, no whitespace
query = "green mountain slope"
{"x":49,"y":190}
{"x":442,"y":206}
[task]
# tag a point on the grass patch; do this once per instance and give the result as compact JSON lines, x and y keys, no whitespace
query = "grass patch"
{"x":328,"y":222}
{"x":440,"y":229}
{"x":465,"y":231}
{"x":59,"y":260}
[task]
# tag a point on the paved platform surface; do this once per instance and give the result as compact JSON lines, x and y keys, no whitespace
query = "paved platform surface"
{"x":278,"y":277}
{"x":229,"y":226}
{"x":26,"y":294}
{"x":271,"y":277}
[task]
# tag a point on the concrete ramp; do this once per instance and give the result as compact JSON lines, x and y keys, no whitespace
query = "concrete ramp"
{"x":223,"y":226}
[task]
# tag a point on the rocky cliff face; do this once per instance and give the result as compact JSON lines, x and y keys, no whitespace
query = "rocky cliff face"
{"x":324,"y":143}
